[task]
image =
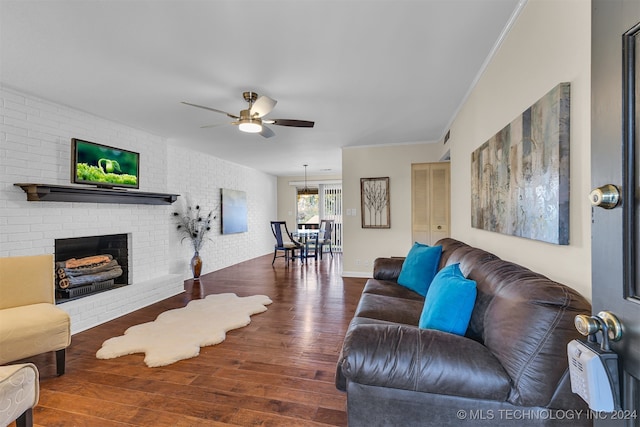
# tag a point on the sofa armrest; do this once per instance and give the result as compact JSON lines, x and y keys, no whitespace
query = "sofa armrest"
{"x":387,"y":268}
{"x":424,"y":360}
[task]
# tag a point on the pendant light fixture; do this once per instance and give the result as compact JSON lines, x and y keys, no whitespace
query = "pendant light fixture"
{"x":306,"y":190}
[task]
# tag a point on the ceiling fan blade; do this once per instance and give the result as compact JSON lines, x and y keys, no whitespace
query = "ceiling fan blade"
{"x":210,"y":109}
{"x":262,"y":106}
{"x":266,"y":132}
{"x":293,"y":123}
{"x":212,"y":126}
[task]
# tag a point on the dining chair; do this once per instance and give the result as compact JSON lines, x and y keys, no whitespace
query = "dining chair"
{"x":285,"y":243}
{"x":311,"y":246}
{"x":324,"y":236}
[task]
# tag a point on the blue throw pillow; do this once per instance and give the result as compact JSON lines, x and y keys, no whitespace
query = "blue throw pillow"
{"x":449,"y":302}
{"x":420,"y":267}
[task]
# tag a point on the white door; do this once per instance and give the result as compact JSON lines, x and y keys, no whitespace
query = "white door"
{"x":430,"y":202}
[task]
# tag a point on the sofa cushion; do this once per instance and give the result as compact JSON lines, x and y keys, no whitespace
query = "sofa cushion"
{"x":449,"y":302}
{"x":390,"y":309}
{"x":423,"y":360}
{"x":420,"y":267}
{"x":32,"y":329}
{"x":390,"y":289}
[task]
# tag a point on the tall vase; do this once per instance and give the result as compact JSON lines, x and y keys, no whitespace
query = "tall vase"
{"x":196,"y":265}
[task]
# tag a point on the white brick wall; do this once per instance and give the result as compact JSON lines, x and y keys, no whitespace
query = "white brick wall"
{"x":35,"y":143}
{"x":201,"y":178}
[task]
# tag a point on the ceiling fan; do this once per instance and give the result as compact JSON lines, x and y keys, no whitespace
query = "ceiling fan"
{"x":252,"y":119}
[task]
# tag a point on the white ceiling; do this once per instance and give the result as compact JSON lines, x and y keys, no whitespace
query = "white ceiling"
{"x":368,"y":72}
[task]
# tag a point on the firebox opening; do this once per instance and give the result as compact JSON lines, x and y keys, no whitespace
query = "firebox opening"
{"x":89,"y":265}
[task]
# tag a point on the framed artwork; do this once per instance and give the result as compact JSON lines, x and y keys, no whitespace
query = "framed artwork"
{"x":374,"y":200}
{"x":234,"y":211}
{"x":520,"y":176}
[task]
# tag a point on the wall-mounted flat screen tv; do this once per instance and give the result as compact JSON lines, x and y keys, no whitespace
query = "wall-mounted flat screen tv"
{"x":104,"y":166}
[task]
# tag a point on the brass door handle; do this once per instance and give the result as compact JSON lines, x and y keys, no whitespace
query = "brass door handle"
{"x":607,"y":196}
{"x":605,"y":321}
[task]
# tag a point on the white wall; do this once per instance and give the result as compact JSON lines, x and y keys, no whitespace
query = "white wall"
{"x":549,"y":43}
{"x":35,"y":142}
{"x":363,"y":245}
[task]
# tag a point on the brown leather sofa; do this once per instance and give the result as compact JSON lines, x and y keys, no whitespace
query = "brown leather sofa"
{"x":510,"y":368}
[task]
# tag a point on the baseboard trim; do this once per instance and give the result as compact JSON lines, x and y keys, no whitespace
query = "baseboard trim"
{"x":361,"y":274}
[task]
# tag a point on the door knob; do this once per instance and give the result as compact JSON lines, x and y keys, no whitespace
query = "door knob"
{"x":613,"y":324}
{"x":607,"y":196}
{"x":605,"y":322}
{"x":586,"y":325}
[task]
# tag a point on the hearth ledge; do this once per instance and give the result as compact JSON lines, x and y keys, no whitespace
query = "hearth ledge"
{"x":94,"y":310}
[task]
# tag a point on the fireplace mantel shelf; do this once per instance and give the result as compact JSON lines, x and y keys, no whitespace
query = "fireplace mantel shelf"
{"x":67,"y":193}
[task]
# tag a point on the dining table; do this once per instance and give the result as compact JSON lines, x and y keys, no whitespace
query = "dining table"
{"x":304,"y":234}
{"x":308,"y":238}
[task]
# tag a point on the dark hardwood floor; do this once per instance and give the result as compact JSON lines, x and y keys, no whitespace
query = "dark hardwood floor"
{"x":279,"y":370}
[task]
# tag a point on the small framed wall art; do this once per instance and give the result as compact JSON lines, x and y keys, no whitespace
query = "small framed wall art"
{"x":374,"y":199}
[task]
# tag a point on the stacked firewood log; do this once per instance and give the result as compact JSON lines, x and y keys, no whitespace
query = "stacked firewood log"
{"x":86,"y":271}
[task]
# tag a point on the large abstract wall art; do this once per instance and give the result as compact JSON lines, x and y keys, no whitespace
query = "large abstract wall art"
{"x":234,"y":211}
{"x":520,"y":176}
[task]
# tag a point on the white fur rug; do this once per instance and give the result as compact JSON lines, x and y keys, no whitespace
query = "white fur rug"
{"x":178,"y":334}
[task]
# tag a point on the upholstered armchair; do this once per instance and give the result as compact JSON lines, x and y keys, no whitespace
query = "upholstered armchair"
{"x":30,"y":322}
{"x":19,"y":392}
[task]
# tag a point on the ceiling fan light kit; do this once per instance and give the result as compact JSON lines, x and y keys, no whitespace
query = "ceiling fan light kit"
{"x":249,"y":124}
{"x":250,"y":120}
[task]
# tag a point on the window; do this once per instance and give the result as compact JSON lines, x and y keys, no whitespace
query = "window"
{"x":308,"y":209}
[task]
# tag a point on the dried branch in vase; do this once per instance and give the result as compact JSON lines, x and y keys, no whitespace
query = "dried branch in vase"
{"x":193,"y":224}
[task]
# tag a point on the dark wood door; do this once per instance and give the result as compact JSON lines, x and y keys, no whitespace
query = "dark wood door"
{"x":614,"y":142}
